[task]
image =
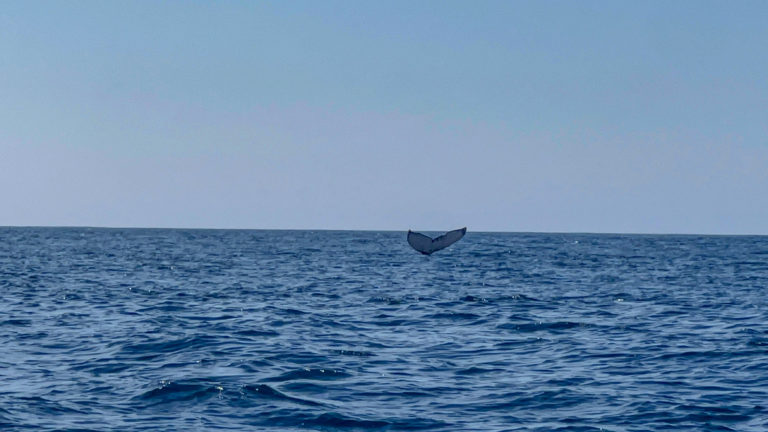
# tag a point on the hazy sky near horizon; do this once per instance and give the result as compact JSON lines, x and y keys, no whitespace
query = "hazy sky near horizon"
{"x":588,"y":116}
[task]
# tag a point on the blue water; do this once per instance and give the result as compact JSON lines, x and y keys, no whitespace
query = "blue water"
{"x":138,"y":329}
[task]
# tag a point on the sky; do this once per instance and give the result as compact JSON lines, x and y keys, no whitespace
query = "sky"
{"x":535,"y":116}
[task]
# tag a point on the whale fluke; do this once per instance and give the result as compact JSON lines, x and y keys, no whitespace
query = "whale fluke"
{"x":427,"y":245}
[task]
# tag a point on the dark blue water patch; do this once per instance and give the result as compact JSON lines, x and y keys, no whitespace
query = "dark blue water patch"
{"x":337,"y":421}
{"x":475,"y":371}
{"x":16,"y":323}
{"x":299,"y":330}
{"x":334,"y":420}
{"x":161,"y":347}
{"x":542,"y":326}
{"x":170,"y":392}
{"x":310,"y":374}
{"x":324,"y":421}
{"x":454,"y":316}
{"x":758,"y":342}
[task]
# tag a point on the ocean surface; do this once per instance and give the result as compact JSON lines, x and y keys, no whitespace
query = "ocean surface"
{"x":229,"y":330}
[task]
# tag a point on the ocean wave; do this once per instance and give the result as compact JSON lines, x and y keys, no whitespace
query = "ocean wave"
{"x":265,"y":330}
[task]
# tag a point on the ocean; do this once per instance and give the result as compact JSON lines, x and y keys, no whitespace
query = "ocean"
{"x":248,"y":330}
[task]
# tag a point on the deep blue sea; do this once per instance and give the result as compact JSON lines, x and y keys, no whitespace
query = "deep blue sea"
{"x":241,"y":330}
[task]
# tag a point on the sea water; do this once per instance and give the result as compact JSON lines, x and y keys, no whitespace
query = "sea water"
{"x":159,"y":329}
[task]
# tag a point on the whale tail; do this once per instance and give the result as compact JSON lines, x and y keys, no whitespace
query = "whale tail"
{"x":427,"y":245}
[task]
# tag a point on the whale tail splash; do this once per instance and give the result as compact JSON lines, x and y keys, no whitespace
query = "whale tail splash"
{"x":428,"y":245}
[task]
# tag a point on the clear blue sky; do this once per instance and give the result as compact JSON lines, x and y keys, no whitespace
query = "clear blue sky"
{"x":610,"y":116}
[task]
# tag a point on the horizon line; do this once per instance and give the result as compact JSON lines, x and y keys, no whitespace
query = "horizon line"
{"x":384,"y":230}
